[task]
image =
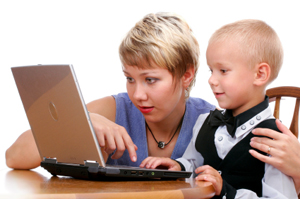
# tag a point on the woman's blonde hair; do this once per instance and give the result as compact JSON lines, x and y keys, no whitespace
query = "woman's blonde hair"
{"x":258,"y":42}
{"x":165,"y":39}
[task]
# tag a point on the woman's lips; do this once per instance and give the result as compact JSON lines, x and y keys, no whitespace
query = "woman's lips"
{"x":146,"y":109}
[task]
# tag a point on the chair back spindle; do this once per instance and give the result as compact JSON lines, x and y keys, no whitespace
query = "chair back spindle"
{"x":276,"y":94}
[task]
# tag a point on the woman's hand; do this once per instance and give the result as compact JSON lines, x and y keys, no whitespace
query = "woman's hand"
{"x":284,"y":150}
{"x":209,"y":174}
{"x":112,"y":136}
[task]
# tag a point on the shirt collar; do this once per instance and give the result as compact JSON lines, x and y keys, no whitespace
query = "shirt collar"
{"x":249,"y":119}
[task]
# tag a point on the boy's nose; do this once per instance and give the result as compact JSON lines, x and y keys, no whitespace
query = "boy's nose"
{"x":212,"y":81}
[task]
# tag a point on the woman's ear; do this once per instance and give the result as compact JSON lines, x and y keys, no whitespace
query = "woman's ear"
{"x":262,"y":74}
{"x":188,"y":76}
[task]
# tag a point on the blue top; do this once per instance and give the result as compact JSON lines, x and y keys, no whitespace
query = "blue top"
{"x":128,"y":116}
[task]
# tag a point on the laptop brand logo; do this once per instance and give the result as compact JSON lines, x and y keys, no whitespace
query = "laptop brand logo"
{"x":53,"y":111}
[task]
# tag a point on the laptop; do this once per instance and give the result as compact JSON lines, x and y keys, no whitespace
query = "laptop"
{"x":62,"y":129}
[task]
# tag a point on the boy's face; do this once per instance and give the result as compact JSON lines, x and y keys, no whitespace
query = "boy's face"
{"x":154,"y":92}
{"x":231,"y":78}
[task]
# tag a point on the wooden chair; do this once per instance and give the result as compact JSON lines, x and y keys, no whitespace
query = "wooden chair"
{"x":276,"y":93}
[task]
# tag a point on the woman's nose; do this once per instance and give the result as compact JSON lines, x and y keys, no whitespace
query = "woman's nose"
{"x":140,"y":92}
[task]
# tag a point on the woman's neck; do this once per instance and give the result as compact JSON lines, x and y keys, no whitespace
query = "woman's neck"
{"x":165,"y":129}
{"x":162,"y":138}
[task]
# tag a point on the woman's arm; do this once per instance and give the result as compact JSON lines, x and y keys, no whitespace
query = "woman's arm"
{"x":284,"y":151}
{"x":23,"y":153}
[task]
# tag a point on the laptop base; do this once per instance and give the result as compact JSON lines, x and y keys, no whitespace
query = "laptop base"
{"x":109,"y":173}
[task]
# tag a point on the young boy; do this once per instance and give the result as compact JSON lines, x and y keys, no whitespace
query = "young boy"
{"x":244,"y":57}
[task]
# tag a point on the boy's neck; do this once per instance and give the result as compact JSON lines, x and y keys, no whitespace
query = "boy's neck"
{"x":251,"y":104}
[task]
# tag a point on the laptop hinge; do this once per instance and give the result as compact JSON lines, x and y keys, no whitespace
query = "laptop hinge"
{"x":93,"y":166}
{"x":50,"y":160}
{"x":91,"y":163}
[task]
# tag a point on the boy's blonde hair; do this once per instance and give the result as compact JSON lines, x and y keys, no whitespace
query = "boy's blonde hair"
{"x":259,"y":43}
{"x":165,"y":39}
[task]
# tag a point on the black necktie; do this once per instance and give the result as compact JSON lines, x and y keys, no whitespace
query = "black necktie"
{"x":216,"y":118}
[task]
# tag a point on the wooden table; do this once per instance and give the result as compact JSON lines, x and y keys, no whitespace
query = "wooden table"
{"x":38,"y":183}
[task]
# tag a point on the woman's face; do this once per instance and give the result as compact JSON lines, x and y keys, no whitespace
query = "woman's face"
{"x":154,"y":92}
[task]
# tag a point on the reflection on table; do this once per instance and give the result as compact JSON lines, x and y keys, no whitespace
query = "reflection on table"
{"x":38,"y":183}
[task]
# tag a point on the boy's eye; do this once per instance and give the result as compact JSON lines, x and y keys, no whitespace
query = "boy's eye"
{"x":223,"y":70}
{"x":129,"y":79}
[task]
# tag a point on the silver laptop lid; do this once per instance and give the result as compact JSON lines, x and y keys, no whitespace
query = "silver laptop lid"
{"x":57,"y":113}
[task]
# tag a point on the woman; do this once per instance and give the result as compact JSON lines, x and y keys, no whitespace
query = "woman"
{"x":156,"y":116}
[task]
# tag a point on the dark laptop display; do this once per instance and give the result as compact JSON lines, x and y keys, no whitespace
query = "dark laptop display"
{"x":62,"y":128}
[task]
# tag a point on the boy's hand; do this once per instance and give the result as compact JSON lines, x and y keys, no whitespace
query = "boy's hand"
{"x":207,"y":173}
{"x":154,"y":162}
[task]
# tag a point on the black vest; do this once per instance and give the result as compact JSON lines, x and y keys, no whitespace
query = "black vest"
{"x":239,"y":168}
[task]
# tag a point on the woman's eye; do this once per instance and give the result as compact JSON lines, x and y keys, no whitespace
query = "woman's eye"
{"x":151,"y":80}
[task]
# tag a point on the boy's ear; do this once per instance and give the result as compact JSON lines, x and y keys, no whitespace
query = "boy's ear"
{"x":188,"y":76}
{"x":262,"y":75}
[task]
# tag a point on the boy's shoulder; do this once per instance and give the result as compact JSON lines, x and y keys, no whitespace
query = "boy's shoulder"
{"x":268,"y":123}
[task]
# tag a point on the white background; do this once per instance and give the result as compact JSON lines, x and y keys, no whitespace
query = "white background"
{"x":87,"y":34}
